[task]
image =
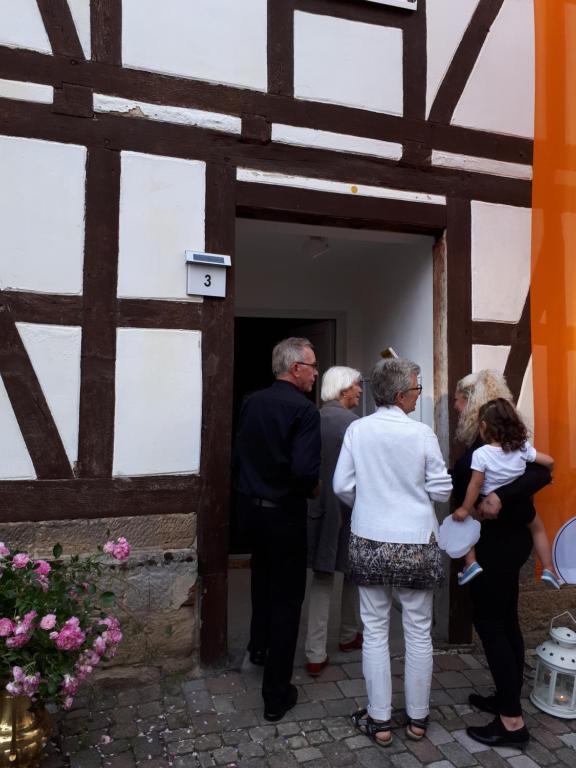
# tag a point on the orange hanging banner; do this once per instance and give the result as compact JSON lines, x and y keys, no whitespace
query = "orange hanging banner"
{"x":553,"y":285}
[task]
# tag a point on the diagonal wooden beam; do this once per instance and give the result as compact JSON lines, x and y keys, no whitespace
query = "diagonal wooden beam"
{"x":32,"y":412}
{"x":60,"y":28}
{"x":520,"y":352}
{"x":461,"y":66}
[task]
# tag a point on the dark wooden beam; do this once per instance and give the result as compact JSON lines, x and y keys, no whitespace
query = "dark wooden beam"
{"x":60,"y":28}
{"x":493,"y":333}
{"x":357,"y":10}
{"x":28,"y":401}
{"x":106,"y":31}
{"x":98,"y":357}
{"x":81,"y":499}
{"x":281,"y":47}
{"x":520,"y":352}
{"x":154,"y":313}
{"x":215,"y":468}
{"x":52,"y":309}
{"x":463,"y":61}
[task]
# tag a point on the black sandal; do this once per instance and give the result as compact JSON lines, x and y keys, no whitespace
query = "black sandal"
{"x":423,"y":724}
{"x":371,"y":728}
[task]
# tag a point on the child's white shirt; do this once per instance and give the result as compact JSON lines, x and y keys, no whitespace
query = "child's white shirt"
{"x":501,"y":467}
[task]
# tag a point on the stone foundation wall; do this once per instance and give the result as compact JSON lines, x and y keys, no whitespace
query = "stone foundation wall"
{"x":539,"y":603}
{"x":156,"y":587}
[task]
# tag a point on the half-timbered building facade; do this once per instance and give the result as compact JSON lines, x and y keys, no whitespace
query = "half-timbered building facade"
{"x":366,"y":166}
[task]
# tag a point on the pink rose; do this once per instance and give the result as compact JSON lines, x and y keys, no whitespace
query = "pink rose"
{"x":119,"y":550}
{"x":3,"y":549}
{"x":99,"y":645}
{"x":70,"y":636}
{"x":48,"y":621}
{"x":17,"y":641}
{"x":70,"y":685}
{"x":68,"y":701}
{"x":20,"y":560}
{"x":28,"y":619}
{"x":42,"y":568}
{"x":6,"y":627}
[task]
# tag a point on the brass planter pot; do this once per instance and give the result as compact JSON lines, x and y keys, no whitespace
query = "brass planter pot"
{"x":24,"y":732}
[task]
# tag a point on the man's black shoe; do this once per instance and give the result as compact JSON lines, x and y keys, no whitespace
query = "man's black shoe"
{"x":258,"y":658}
{"x":484,"y":703}
{"x":274,"y":713}
{"x":495,"y":735}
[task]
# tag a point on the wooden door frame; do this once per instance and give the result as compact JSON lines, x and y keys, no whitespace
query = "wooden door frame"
{"x":450,"y":225}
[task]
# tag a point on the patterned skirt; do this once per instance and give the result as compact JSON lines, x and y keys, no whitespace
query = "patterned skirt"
{"x":412,"y":566}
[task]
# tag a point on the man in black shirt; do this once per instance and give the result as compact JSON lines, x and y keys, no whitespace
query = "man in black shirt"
{"x":277,"y":468}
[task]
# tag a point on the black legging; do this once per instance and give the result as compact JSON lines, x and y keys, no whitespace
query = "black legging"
{"x":495,"y":605}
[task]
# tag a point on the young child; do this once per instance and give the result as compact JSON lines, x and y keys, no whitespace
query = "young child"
{"x":501,"y":461}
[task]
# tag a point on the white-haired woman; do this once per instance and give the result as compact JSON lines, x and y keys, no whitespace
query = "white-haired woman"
{"x":329,"y":525}
{"x":391,"y":470}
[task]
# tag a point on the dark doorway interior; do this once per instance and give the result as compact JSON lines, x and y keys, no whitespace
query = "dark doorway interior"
{"x":254,"y":339}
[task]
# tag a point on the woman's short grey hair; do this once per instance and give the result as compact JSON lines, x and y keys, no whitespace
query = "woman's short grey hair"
{"x":337,"y":379}
{"x":389,"y":377}
{"x":286,"y":353}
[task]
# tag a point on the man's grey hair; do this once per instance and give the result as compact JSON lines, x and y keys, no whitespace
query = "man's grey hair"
{"x":337,"y":379}
{"x":389,"y":377}
{"x":286,"y":353}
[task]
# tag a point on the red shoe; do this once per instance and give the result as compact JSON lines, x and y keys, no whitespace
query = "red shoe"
{"x":315,"y":669}
{"x":353,"y":645}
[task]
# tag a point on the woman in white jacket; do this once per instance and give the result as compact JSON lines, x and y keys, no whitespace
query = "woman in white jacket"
{"x":390,"y":471}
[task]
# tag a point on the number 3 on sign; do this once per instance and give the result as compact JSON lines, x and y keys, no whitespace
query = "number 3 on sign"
{"x":207,"y":280}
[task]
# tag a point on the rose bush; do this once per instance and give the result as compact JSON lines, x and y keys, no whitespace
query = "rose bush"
{"x":54,"y":621}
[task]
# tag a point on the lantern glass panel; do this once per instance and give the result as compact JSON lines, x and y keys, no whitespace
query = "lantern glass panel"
{"x":564,"y":690}
{"x":542,"y":687}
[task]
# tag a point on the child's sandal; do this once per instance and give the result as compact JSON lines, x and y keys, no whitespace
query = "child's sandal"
{"x":415,"y":723}
{"x":371,"y":728}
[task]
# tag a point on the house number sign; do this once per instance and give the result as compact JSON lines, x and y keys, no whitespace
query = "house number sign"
{"x":410,"y":4}
{"x":206,"y":273}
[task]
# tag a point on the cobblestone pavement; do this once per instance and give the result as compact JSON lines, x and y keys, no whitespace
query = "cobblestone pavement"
{"x":216,"y":720}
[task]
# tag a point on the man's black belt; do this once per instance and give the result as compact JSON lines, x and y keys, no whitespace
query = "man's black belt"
{"x":264,"y":503}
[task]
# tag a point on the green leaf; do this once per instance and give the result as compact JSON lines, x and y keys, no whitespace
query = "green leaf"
{"x":107,"y":598}
{"x":57,"y":551}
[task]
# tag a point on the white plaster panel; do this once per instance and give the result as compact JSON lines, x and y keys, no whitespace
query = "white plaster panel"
{"x":165,"y":114}
{"x":500,"y":261}
{"x":80,"y":10}
{"x":526,"y":398}
{"x":161,"y":215}
{"x":21,"y":26}
{"x":340,"y":142}
{"x":446,"y":22}
{"x":158,"y":414}
{"x":499,"y":95}
{"x":42,"y":203}
{"x":15,"y":461}
{"x":22,"y":91}
{"x":54,"y":351}
{"x":338,"y":187}
{"x":481,"y":165}
{"x":489,"y":356}
{"x":221,"y":41}
{"x":348,"y":62}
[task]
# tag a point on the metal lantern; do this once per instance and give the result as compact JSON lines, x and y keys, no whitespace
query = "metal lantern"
{"x":554,"y":689}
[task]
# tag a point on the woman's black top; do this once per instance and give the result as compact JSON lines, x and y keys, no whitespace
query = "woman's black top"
{"x":505,"y":543}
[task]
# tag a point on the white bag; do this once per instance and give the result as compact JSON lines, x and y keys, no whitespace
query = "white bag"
{"x":457,"y":538}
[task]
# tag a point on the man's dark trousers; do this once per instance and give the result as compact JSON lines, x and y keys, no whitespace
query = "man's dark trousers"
{"x":278,"y":541}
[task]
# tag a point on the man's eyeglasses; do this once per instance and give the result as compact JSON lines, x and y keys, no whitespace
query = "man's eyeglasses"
{"x":312,"y":365}
{"x":415,"y":389}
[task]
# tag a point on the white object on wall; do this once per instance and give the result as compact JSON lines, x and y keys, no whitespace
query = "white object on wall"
{"x":42,"y":202}
{"x":21,"y":26}
{"x":499,"y":95}
{"x":22,"y":91}
{"x":54,"y":351}
{"x":501,"y":254}
{"x":80,"y":10}
{"x":220,"y":41}
{"x":446,"y":22}
{"x":213,"y":121}
{"x":489,"y":356}
{"x":348,"y":62}
{"x":158,"y":414}
{"x":481,"y":165}
{"x":161,"y":215}
{"x":339,"y":142}
{"x":15,"y":461}
{"x":337,"y":187}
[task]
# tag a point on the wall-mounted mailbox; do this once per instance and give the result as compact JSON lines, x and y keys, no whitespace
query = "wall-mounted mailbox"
{"x":206,"y":273}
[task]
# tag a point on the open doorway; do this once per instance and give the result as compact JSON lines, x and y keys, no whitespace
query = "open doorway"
{"x":353,"y":293}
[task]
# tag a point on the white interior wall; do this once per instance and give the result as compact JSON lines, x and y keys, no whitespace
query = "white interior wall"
{"x":378,"y":286}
